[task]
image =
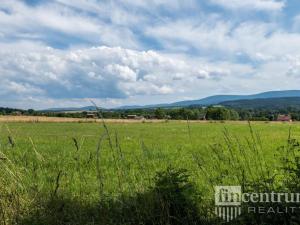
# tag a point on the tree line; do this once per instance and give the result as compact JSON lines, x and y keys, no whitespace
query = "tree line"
{"x":190,"y":113}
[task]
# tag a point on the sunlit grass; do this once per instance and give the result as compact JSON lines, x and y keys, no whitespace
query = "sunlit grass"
{"x":47,"y":160}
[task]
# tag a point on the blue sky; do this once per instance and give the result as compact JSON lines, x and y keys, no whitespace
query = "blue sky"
{"x":65,"y":53}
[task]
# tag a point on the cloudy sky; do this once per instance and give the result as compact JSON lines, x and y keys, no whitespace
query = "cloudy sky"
{"x":126,"y":52}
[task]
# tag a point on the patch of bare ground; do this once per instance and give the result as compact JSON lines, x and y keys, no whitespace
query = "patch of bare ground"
{"x":66,"y":120}
{"x":37,"y":119}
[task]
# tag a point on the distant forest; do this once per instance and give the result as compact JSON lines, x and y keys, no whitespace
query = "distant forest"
{"x":266,"y":103}
{"x":255,"y":109}
{"x":190,"y":113}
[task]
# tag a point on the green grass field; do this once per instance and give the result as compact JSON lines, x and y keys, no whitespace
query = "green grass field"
{"x":71,"y":167}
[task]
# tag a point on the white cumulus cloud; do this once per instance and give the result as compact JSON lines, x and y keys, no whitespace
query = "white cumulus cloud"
{"x":97,"y":72}
{"x":264,"y":5}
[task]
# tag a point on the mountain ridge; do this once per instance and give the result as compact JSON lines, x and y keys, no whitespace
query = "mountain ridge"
{"x":265,"y":103}
{"x":210,"y":100}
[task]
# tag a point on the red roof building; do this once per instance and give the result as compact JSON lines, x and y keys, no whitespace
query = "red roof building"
{"x":284,"y":118}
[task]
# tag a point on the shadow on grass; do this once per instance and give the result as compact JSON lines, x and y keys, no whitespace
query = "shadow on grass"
{"x":172,"y":201}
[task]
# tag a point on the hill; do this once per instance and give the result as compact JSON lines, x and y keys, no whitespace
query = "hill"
{"x":217,"y":99}
{"x":4,"y":110}
{"x":211,"y":100}
{"x":86,"y":108}
{"x":265,"y":103}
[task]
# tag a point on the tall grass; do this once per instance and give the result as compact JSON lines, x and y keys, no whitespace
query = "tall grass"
{"x":110,"y":184}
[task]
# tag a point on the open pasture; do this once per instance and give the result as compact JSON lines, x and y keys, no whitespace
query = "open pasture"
{"x":74,"y":166}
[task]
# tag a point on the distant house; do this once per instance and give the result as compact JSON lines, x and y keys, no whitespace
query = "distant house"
{"x":135,"y":117}
{"x":284,"y":118}
{"x":168,"y":117}
{"x":91,"y":115}
{"x":202,"y":116}
{"x":17,"y":113}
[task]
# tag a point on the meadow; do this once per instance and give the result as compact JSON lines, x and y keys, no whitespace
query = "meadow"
{"x":134,"y":173}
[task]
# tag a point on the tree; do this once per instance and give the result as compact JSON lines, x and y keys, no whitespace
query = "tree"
{"x":30,"y":111}
{"x":218,"y":113}
{"x":234,"y":115}
{"x":159,"y":113}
